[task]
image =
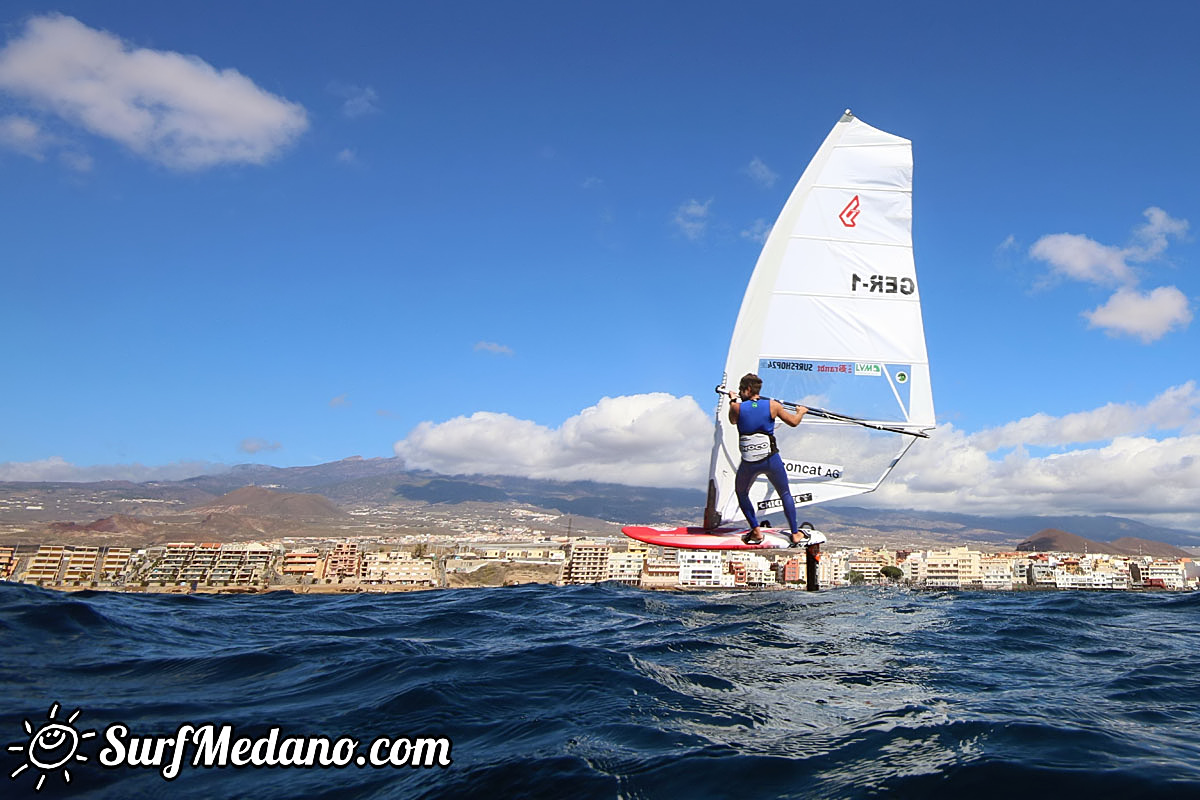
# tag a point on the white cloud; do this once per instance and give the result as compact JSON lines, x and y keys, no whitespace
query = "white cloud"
{"x":761,"y":173}
{"x":642,"y":440}
{"x":339,"y":401}
{"x":661,"y":440}
{"x":1128,"y":312}
{"x":1123,"y":472}
{"x":58,"y":469}
{"x":692,"y":218}
{"x":346,"y":156}
{"x":1073,"y":256}
{"x":758,"y":231}
{"x":168,"y":107}
{"x":1174,"y":409}
{"x":1146,"y":315}
{"x":358,"y":101}
{"x":1136,"y":476}
{"x":24,"y":136}
{"x":255,"y":445}
{"x":1152,"y":237}
{"x":493,"y":347}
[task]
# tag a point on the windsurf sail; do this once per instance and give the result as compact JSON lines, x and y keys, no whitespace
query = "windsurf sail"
{"x":831,"y":319}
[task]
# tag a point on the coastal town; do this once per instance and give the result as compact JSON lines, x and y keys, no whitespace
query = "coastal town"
{"x":159,"y":538}
{"x":413,"y":563}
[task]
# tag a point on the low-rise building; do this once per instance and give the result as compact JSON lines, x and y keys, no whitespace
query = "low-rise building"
{"x":523,"y":552}
{"x":399,"y":567}
{"x":80,"y":567}
{"x":299,"y":564}
{"x":8,"y":562}
{"x":114,"y":567}
{"x":45,"y":565}
{"x":1066,"y":579}
{"x":659,"y":574}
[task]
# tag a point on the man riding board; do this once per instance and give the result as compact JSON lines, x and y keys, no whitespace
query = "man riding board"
{"x":755,"y":417}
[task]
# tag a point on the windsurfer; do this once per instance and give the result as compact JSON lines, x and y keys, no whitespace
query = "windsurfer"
{"x":755,"y":417}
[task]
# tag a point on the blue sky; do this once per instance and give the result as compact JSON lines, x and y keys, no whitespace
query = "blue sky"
{"x":515,"y":236}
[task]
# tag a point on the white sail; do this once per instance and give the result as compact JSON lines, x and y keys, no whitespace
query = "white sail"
{"x":831,"y":319}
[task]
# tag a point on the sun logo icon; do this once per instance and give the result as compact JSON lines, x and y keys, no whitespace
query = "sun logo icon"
{"x":51,"y":747}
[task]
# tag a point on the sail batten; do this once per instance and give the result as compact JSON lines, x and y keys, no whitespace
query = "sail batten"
{"x":832,"y":318}
{"x":847,"y":241}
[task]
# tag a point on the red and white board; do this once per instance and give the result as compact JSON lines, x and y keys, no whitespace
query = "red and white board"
{"x":716,"y":539}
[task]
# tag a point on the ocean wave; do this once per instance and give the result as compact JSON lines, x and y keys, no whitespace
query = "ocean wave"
{"x":607,"y":691}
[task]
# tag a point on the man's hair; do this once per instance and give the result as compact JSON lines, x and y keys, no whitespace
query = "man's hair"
{"x":750,"y":381}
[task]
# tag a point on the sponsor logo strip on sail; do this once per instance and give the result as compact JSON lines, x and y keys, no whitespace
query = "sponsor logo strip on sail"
{"x":812,"y":469}
{"x":766,"y":505}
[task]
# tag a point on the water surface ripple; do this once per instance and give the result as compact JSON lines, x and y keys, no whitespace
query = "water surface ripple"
{"x":611,"y":692}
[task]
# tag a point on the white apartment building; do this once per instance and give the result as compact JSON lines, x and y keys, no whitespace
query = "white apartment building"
{"x":1090,"y":580}
{"x":996,"y":572}
{"x":953,"y":568}
{"x":750,"y":569}
{"x":1171,"y":573}
{"x":703,"y":568}
{"x":833,"y":567}
{"x":626,"y":566}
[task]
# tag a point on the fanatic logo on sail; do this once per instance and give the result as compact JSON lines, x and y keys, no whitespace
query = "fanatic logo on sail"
{"x":850,"y":213}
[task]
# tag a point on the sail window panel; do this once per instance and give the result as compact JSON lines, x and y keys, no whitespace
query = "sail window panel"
{"x":835,"y":328}
{"x":816,"y":266}
{"x":869,"y":168}
{"x":866,"y":390}
{"x":921,"y":403}
{"x":856,"y":216}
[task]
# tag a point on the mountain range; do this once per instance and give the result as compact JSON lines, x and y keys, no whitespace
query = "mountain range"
{"x":1052,"y":540}
{"x":259,"y":498}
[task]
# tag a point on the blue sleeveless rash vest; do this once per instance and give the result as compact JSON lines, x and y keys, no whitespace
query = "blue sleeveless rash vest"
{"x":754,"y":416}
{"x":756,"y":430}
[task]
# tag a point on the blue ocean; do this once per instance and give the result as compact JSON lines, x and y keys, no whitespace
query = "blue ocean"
{"x":611,"y":692}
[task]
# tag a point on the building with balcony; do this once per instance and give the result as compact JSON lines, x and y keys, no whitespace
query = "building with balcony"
{"x":400,"y":568}
{"x":343,"y":562}
{"x":81,"y":566}
{"x":309,"y":564}
{"x":8,"y":562}
{"x":586,"y":563}
{"x":45,"y":566}
{"x":659,"y":574}
{"x":703,"y":568}
{"x":625,"y":566}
